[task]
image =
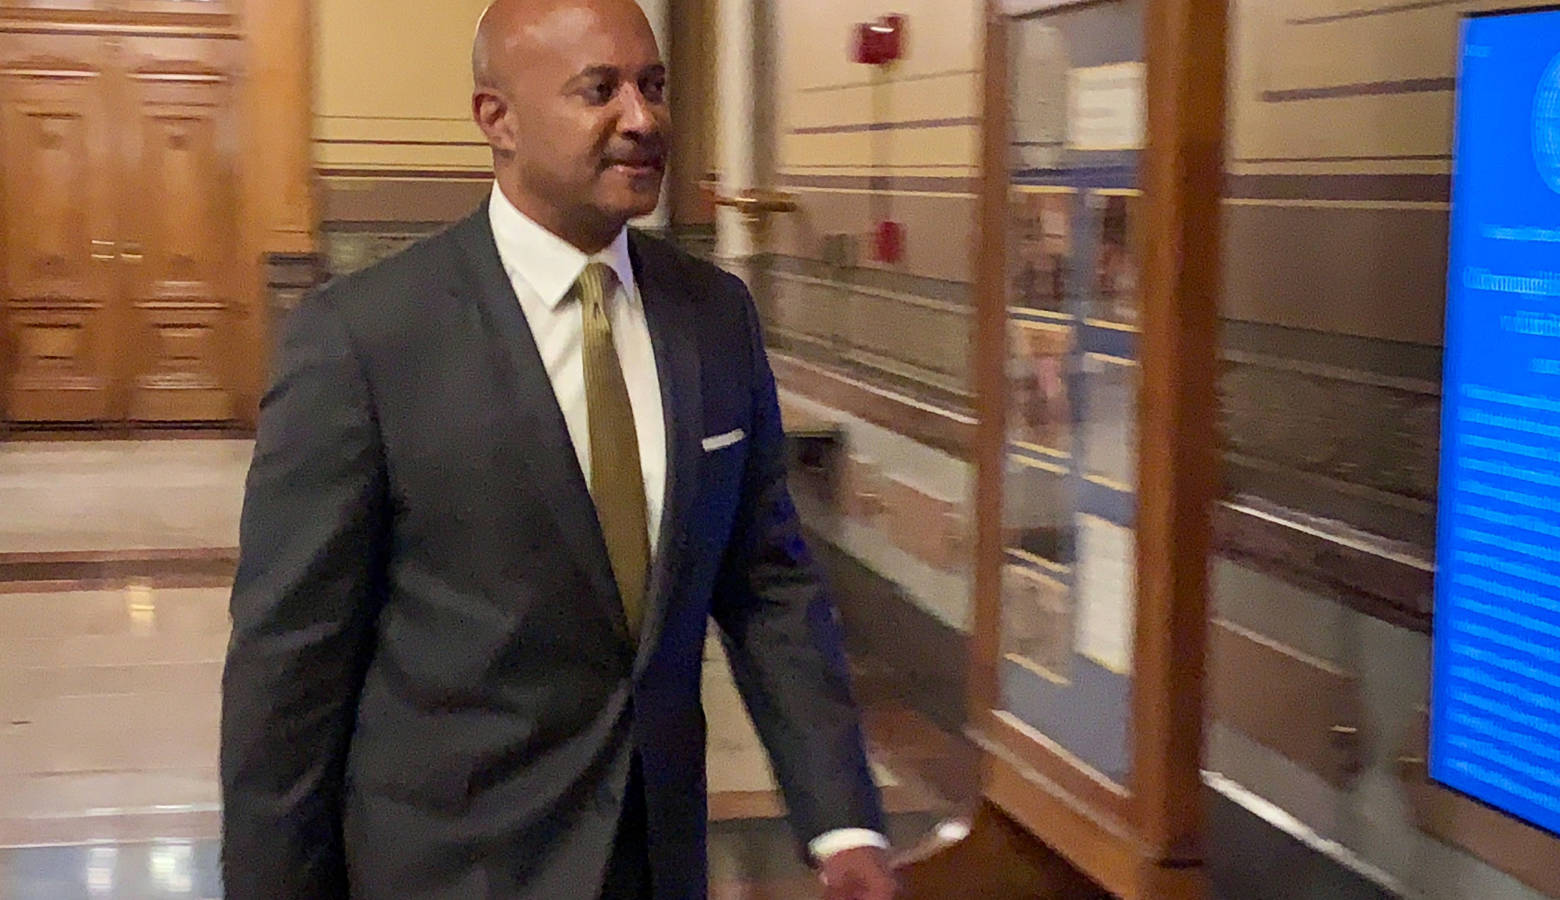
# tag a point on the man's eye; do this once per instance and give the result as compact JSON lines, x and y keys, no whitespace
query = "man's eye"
{"x":601,"y":91}
{"x":654,"y":90}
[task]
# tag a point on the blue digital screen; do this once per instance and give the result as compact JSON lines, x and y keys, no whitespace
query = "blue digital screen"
{"x":1495,"y":695}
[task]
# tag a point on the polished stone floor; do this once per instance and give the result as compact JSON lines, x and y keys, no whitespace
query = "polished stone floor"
{"x":78,"y":496}
{"x":115,"y":559}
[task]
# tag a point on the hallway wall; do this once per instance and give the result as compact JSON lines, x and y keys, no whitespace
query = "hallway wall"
{"x":1335,"y":215}
{"x":393,"y":136}
{"x":861,"y":145}
{"x":883,"y":348}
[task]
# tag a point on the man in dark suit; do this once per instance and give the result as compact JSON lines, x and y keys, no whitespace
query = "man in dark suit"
{"x":501,"y":483}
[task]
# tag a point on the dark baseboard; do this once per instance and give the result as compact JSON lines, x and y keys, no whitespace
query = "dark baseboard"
{"x":1251,"y":859}
{"x":924,"y":662}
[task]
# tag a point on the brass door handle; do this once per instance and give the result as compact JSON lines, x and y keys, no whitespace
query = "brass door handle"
{"x":99,"y":248}
{"x":753,"y":203}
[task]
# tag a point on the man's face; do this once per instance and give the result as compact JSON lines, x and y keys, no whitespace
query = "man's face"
{"x":584,"y":98}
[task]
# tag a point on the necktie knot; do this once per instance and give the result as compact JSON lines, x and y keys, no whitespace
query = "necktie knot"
{"x":595,"y":284}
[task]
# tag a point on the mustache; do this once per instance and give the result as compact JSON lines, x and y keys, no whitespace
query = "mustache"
{"x":645,"y":154}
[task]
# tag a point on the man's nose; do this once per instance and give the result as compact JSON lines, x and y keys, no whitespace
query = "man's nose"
{"x":638,"y":115}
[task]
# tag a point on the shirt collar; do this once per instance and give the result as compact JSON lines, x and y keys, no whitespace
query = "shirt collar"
{"x":548,"y":263}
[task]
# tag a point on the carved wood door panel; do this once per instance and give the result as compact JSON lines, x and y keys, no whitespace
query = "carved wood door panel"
{"x":118,"y":210}
{"x":179,"y":226}
{"x":58,"y":220}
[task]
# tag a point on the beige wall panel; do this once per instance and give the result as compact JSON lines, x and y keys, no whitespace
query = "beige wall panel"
{"x":902,"y":147}
{"x":933,"y":337}
{"x":815,"y":39}
{"x":955,"y":95}
{"x":1275,"y":48}
{"x":395,"y":70}
{"x":818,"y":215}
{"x":400,"y":199}
{"x":1391,"y":47}
{"x":394,"y":58}
{"x":434,"y":130}
{"x":809,"y":308}
{"x":1402,"y":41}
{"x":939,"y":230}
{"x":939,"y":236}
{"x":1375,"y":273}
{"x":401,"y":156}
{"x":1391,"y":125}
{"x":813,"y":50}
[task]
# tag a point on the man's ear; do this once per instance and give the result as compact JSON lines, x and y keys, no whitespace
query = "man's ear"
{"x":491,"y":112}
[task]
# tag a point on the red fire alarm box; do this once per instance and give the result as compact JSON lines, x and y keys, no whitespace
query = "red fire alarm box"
{"x":882,"y":42}
{"x":888,"y":244}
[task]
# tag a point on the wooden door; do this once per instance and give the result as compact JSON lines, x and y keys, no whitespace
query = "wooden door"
{"x":179,"y":231}
{"x":119,"y":210}
{"x":57,"y":226}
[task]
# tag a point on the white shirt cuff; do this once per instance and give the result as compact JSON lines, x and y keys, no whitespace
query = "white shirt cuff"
{"x":831,"y":842}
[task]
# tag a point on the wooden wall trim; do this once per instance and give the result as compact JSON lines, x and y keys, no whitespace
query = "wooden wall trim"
{"x":1091,"y":789}
{"x":277,"y":106}
{"x":1088,"y":842}
{"x":279,"y":210}
{"x":1178,"y":483}
{"x":1112,"y":857}
{"x":989,"y":373}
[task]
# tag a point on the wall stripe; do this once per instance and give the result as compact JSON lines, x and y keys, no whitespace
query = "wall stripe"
{"x":905,"y":125}
{"x":903,"y":79}
{"x":405,"y":174}
{"x":1378,"y":11}
{"x":1414,"y":188}
{"x":1362,"y":89}
{"x":901,"y":183}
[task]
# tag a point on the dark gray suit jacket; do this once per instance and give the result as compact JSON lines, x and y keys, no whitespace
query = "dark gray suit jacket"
{"x":430,"y":690}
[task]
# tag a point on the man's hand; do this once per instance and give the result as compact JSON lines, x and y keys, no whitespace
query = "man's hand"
{"x":860,"y":873}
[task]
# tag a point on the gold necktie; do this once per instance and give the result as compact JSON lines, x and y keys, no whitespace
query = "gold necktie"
{"x":616,"y":480}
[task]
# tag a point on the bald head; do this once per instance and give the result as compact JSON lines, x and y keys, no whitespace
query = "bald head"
{"x":508,"y":26}
{"x":571,"y":96}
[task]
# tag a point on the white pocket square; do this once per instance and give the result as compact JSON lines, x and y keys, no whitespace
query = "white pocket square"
{"x":721,"y":441}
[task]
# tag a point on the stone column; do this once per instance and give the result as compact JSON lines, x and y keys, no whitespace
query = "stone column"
{"x":736,"y":123}
{"x":659,"y":14}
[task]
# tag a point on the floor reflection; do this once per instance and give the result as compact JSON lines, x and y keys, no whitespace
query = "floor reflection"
{"x":115,"y":565}
{"x":157,"y":870}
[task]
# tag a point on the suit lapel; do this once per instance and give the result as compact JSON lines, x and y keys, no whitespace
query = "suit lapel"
{"x":669,"y":313}
{"x":556,"y":475}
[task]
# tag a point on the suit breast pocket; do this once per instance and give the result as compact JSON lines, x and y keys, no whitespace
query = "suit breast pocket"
{"x":723,"y":453}
{"x":723,"y":461}
{"x":721,"y":441}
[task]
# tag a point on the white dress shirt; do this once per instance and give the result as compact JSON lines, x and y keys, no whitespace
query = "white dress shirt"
{"x":543,"y":267}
